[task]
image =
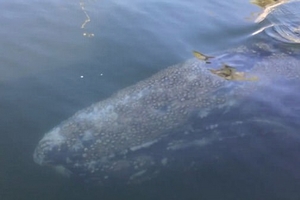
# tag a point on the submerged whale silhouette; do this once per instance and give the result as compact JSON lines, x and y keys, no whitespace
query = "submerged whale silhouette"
{"x":166,"y":122}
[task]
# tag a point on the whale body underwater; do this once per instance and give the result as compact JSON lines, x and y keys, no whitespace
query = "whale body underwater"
{"x":174,"y":120}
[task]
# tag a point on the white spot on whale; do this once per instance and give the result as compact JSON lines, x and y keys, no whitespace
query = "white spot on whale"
{"x":87,"y":136}
{"x":182,"y":144}
{"x":164,"y":161}
{"x":144,"y":145}
{"x":54,"y":136}
{"x":62,"y":170}
{"x":139,"y":173}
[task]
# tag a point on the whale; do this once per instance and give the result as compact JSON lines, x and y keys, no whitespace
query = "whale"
{"x":181,"y":117}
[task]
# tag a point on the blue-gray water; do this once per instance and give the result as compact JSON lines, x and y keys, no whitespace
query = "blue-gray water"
{"x":53,"y":64}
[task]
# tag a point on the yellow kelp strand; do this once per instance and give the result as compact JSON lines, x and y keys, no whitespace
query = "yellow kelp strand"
{"x":201,"y":56}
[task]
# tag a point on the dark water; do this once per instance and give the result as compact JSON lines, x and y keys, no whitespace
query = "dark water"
{"x":53,"y":64}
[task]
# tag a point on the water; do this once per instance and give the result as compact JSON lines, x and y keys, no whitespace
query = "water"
{"x":53,"y":64}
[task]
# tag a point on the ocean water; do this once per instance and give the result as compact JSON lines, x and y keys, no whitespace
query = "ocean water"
{"x":58,"y":57}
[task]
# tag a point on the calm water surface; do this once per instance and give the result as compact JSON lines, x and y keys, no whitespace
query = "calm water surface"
{"x":60,"y":56}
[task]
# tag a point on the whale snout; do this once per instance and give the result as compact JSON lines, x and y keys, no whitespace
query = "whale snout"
{"x":51,"y":143}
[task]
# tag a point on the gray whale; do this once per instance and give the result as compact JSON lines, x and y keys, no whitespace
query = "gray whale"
{"x":166,"y":122}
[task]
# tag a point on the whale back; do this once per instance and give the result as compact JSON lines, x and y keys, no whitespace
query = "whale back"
{"x":166,"y":122}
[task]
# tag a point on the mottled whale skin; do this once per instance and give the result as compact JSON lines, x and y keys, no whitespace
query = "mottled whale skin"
{"x":164,"y":123}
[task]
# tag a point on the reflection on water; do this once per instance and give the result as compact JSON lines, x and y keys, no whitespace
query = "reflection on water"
{"x":282,"y":19}
{"x":268,"y":6}
{"x":87,"y":20}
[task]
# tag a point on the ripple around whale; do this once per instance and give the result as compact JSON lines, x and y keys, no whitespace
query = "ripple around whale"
{"x":179,"y":118}
{"x":282,"y":19}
